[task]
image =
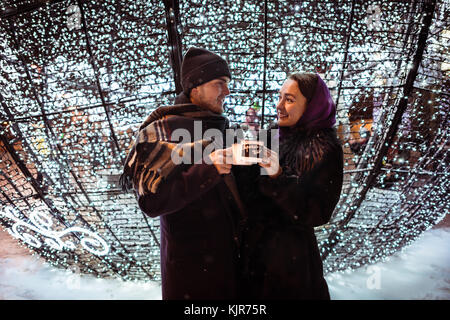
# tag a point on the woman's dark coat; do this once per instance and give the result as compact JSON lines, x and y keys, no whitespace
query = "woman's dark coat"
{"x":199,"y":235}
{"x":280,"y":255}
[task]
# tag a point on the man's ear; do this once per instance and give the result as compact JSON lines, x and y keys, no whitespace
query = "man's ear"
{"x":193,"y":94}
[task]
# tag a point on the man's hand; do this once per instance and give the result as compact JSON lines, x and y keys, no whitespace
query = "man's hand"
{"x":271,"y":163}
{"x":222,"y":159}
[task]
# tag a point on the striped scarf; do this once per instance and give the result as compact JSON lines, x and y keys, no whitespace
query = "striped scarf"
{"x":150,"y":158}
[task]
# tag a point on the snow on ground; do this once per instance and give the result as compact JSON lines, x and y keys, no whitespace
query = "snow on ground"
{"x":421,"y":271}
{"x":26,"y":277}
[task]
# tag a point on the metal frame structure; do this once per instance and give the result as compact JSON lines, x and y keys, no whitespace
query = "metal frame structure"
{"x":366,"y":172}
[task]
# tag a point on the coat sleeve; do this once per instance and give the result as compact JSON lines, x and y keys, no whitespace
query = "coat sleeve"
{"x":311,"y":198}
{"x":180,"y":189}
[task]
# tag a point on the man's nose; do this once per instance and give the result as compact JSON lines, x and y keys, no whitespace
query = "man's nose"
{"x":226,"y":90}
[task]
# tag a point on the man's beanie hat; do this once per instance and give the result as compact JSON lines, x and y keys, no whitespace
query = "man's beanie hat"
{"x":200,"y":66}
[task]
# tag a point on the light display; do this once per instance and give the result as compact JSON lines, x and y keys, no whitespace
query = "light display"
{"x":78,"y":77}
{"x":41,"y":223}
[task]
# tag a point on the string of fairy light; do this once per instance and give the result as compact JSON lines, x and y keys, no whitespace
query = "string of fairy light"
{"x":78,"y":77}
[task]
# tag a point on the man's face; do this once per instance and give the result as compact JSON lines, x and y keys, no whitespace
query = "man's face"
{"x":211,"y":94}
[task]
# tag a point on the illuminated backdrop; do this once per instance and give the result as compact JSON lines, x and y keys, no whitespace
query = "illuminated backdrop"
{"x":78,"y":77}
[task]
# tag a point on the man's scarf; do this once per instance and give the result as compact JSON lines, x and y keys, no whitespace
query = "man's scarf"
{"x":150,"y":158}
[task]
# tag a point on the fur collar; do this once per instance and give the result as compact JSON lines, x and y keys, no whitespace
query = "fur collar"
{"x":303,"y":150}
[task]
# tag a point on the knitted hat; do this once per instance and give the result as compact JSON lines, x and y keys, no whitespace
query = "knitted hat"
{"x":200,"y":66}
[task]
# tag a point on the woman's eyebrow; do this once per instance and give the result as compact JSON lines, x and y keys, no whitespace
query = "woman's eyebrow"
{"x":288,"y":94}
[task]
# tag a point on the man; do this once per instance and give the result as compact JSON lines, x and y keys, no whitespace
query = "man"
{"x":199,"y":213}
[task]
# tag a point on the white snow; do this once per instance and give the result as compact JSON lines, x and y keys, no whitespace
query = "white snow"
{"x":421,"y":271}
{"x":26,"y":277}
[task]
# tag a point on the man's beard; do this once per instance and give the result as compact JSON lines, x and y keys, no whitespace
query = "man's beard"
{"x":213,"y":107}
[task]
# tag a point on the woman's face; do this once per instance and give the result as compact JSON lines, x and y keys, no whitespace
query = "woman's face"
{"x":291,"y":104}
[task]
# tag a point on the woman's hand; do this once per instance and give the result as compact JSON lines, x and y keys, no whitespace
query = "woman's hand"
{"x":271,"y":163}
{"x":222,"y":159}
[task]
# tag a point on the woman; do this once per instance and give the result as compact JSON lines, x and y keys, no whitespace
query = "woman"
{"x":280,"y":255}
